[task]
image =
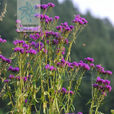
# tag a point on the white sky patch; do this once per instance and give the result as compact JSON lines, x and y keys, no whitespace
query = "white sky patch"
{"x":98,"y":8}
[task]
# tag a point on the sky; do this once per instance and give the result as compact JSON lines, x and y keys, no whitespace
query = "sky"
{"x":98,"y":8}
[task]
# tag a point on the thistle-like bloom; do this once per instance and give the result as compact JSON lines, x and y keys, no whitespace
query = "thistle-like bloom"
{"x":51,"y":5}
{"x":32,"y":51}
{"x":26,"y":100}
{"x":80,"y":20}
{"x":89,"y":59}
{"x":6,"y":81}
{"x":11,"y":76}
{"x":108,"y":72}
{"x":3,"y":40}
{"x":18,"y":42}
{"x":18,"y":49}
{"x":56,"y":18}
{"x":4,"y":59}
{"x":51,"y":68}
{"x":79,"y":113}
{"x":16,"y":69}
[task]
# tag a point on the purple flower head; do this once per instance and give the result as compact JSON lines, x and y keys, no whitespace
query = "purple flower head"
{"x":92,"y":65}
{"x":33,"y":43}
{"x":108,"y":72}
{"x":25,"y":46}
{"x":8,"y":61}
{"x":18,"y":77}
{"x":51,"y":4}
{"x":85,"y":66}
{"x":109,"y":88}
{"x":3,"y":40}
{"x":44,"y":6}
{"x":99,"y":80}
{"x":6,"y":81}
{"x":75,"y":64}
{"x":89,"y":59}
{"x":11,"y":76}
{"x":16,"y":69}
{"x":57,"y":18}
{"x":47,"y":66}
{"x":51,"y":68}
{"x":64,"y":90}
{"x":63,"y":61}
{"x":95,"y":85}
{"x":79,"y":113}
{"x":59,"y":28}
{"x":71,"y":27}
{"x":106,"y":82}
{"x":71,"y":92}
{"x":25,"y":79}
{"x":26,"y":100}
{"x":32,"y":51}
{"x":80,"y":20}
{"x":15,"y":42}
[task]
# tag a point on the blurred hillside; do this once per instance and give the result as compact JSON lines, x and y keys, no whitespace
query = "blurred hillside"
{"x":96,"y":41}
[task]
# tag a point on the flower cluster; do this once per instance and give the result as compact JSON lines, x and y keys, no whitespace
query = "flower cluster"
{"x":102,"y":85}
{"x":45,"y":6}
{"x":3,"y":40}
{"x":80,"y":64}
{"x":79,"y":113}
{"x":35,"y":36}
{"x":18,"y":42}
{"x":101,"y":70}
{"x":89,"y":59}
{"x":65,"y":91}
{"x":51,"y":68}
{"x":4,"y":59}
{"x":16,"y":77}
{"x":80,"y":20}
{"x":44,"y":18}
{"x":64,"y":27}
{"x":16,"y":69}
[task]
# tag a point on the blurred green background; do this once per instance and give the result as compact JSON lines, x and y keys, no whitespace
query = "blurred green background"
{"x":96,"y":41}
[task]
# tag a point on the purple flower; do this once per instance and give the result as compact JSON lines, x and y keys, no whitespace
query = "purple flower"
{"x":99,"y":80}
{"x":25,"y":79}
{"x":47,"y":66}
{"x":108,"y":72}
{"x":16,"y":69}
{"x":5,"y":59}
{"x":106,"y":82}
{"x":3,"y":40}
{"x":89,"y":59}
{"x":32,"y":51}
{"x":75,"y":64}
{"x":6,"y":81}
{"x":92,"y":65}
{"x":56,"y":17}
{"x":51,"y":4}
{"x":71,"y":92}
{"x":64,"y":90}
{"x":18,"y":77}
{"x":95,"y":85}
{"x":80,"y":20}
{"x":79,"y":113}
{"x":11,"y":76}
{"x":26,"y":100}
{"x":109,"y":88}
